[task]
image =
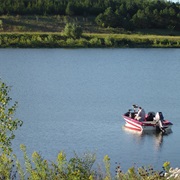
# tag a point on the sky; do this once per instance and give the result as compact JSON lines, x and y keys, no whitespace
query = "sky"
{"x":175,"y":1}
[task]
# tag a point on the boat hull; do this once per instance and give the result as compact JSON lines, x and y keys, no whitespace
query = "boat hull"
{"x":145,"y":125}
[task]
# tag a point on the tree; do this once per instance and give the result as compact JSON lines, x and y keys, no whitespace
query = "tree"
{"x":7,"y":122}
{"x":70,"y":9}
{"x":100,"y":19}
{"x":108,"y":18}
{"x":140,"y":19}
{"x":73,"y":30}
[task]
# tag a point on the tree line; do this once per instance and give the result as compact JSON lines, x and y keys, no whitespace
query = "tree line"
{"x":127,"y":14}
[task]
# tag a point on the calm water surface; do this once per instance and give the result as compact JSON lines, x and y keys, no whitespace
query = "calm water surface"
{"x":72,"y":100}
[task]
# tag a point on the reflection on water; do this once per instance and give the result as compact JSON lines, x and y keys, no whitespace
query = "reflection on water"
{"x":157,"y":137}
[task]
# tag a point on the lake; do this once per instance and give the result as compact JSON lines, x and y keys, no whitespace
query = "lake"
{"x":73,"y":99}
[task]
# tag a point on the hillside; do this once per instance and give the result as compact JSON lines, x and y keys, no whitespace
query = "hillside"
{"x":57,"y":23}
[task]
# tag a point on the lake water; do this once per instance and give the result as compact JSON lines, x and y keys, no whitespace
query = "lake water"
{"x":73,"y":99}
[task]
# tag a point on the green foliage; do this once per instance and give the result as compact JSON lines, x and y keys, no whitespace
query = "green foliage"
{"x":73,"y":30}
{"x":20,"y":169}
{"x":95,"y":42}
{"x":110,"y":13}
{"x":7,"y":122}
{"x":70,"y":9}
{"x":108,"y":19}
{"x":82,"y":42}
{"x":142,"y":173}
{"x":80,"y":167}
{"x":6,"y":165}
{"x":108,"y":42}
{"x":50,"y":40}
{"x":107,"y":167}
{"x":166,"y":166}
{"x":77,"y":168}
{"x":1,"y":24}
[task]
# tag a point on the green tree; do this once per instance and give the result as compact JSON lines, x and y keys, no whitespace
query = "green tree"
{"x":18,"y":6}
{"x":7,"y":122}
{"x":108,"y":18}
{"x":100,"y":19}
{"x":140,"y":19}
{"x":73,"y":30}
{"x":70,"y":9}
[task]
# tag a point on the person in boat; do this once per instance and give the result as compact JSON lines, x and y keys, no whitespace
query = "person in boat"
{"x":128,"y":113}
{"x":150,"y":116}
{"x":140,"y":116}
{"x":135,"y":107}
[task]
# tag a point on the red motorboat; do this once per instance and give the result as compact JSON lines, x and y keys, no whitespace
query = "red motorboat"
{"x":151,"y":122}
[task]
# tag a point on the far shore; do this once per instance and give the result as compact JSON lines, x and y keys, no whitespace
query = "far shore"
{"x":47,"y":32}
{"x":88,"y":40}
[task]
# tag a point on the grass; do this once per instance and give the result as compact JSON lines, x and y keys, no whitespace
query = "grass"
{"x":44,"y":23}
{"x":88,"y":40}
{"x":134,"y":36}
{"x":57,"y":23}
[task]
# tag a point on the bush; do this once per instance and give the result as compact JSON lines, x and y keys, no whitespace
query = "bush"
{"x":8,"y":124}
{"x":81,"y":168}
{"x":78,"y":167}
{"x":73,"y":30}
{"x":96,"y":42}
{"x":82,"y":42}
{"x":108,"y":41}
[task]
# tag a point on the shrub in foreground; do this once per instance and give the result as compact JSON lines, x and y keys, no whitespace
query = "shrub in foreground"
{"x":8,"y":124}
{"x":76,"y":168}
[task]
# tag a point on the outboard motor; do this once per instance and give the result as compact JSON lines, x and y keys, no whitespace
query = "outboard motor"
{"x":159,"y":118}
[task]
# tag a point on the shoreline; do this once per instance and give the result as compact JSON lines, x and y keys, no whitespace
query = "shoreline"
{"x":87,"y":40}
{"x":48,"y":32}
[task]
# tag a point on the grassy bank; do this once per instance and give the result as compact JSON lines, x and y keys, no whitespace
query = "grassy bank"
{"x":88,"y":40}
{"x":47,"y":32}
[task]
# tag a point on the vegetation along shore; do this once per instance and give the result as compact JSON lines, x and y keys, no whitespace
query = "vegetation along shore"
{"x":87,"y":23}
